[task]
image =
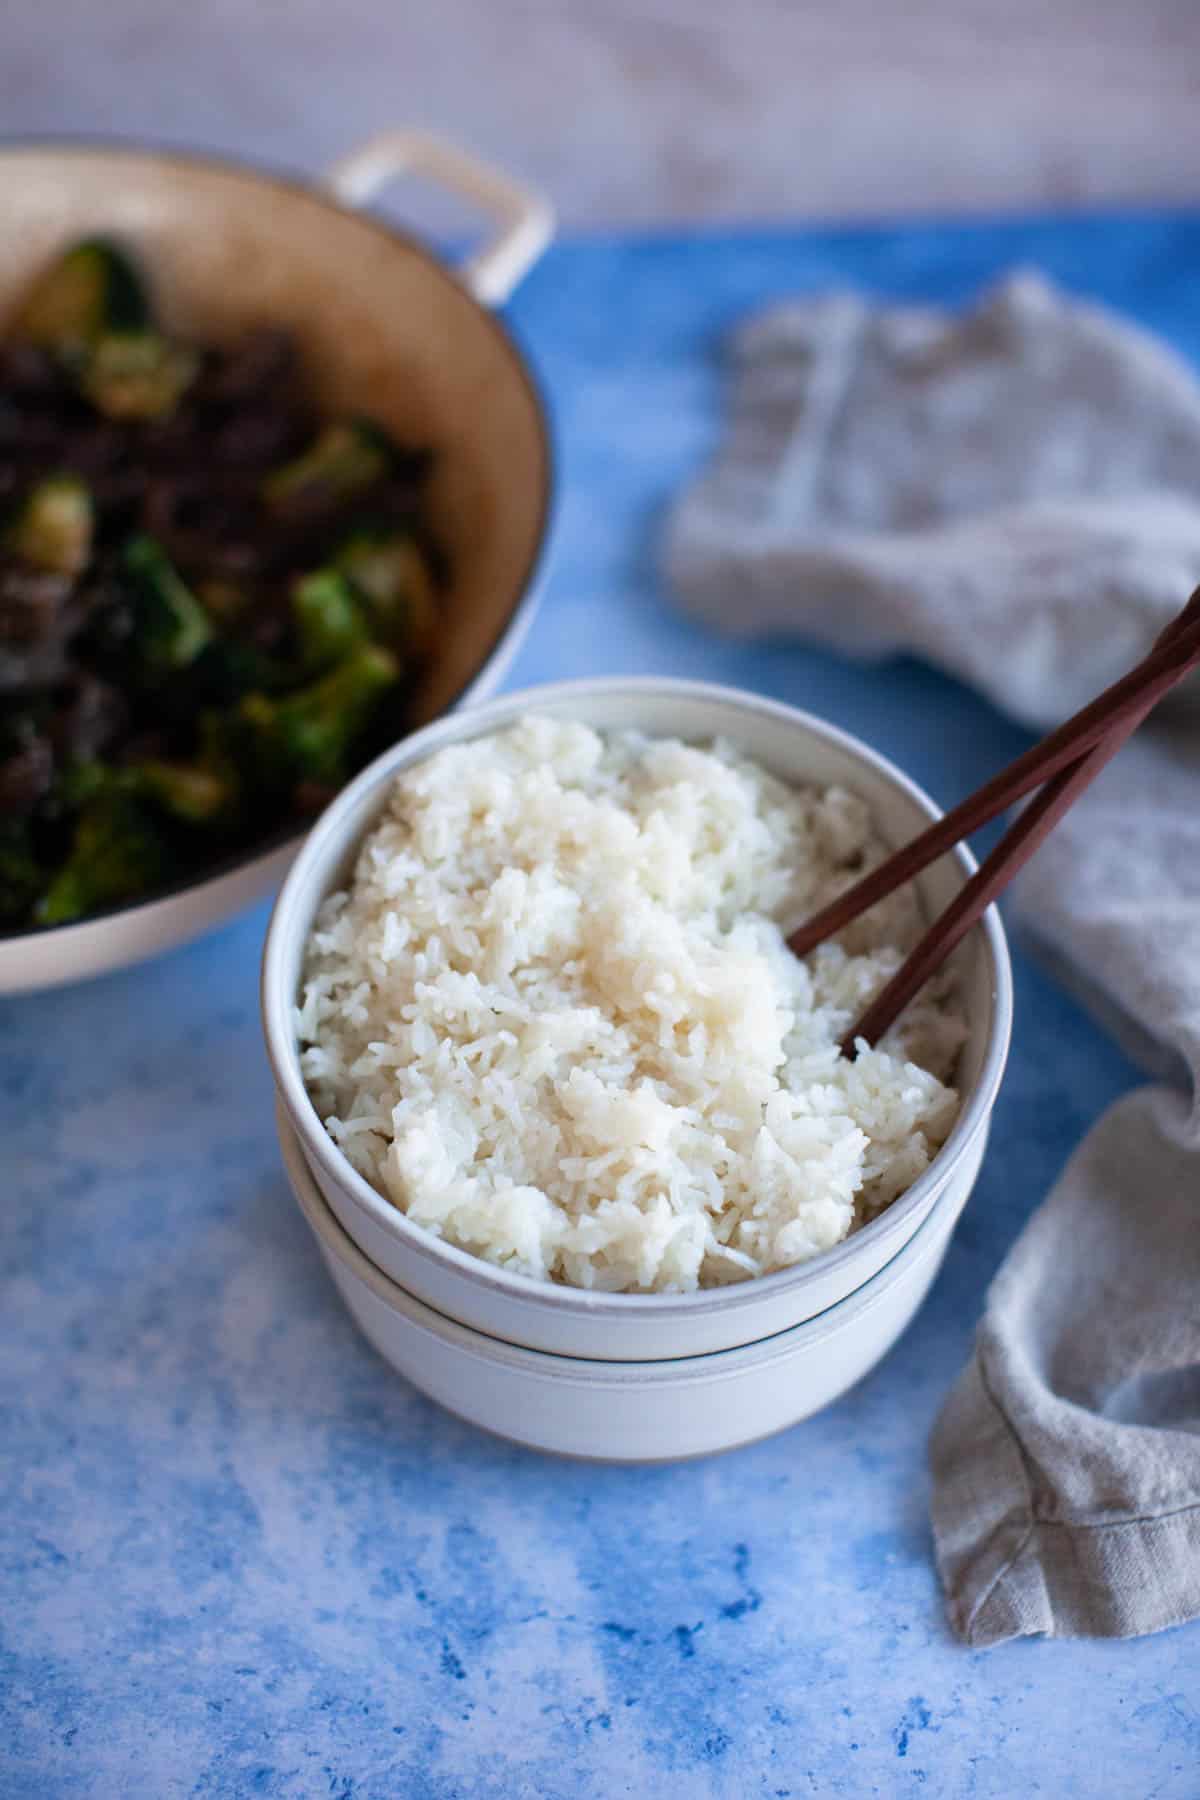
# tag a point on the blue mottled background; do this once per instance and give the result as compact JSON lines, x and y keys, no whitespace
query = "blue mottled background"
{"x":239,"y":1557}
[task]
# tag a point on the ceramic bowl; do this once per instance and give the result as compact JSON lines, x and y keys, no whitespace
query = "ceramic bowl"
{"x":638,"y":1327}
{"x":629,"y":1412}
{"x":388,"y":329}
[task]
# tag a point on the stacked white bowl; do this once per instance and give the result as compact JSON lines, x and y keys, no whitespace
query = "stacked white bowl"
{"x":633,"y":1377}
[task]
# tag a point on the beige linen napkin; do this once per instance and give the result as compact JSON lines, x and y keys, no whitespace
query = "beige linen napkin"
{"x":1015,"y":494}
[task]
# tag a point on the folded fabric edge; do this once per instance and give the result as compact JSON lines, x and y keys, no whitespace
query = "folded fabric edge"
{"x":981,"y":1508}
{"x":1008,"y":1574}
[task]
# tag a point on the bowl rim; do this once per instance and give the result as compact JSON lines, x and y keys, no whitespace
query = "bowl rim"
{"x":324,"y":844}
{"x":525,"y":597}
{"x":690,"y":1370}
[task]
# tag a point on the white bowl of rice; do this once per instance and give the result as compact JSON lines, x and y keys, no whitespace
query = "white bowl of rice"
{"x":625,"y":1412}
{"x":545,"y":1053}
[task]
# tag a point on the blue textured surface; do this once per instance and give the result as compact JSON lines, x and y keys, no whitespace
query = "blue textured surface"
{"x":240,"y":1557}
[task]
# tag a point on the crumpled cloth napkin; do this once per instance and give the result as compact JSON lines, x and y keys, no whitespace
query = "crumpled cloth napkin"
{"x":1014,"y":493}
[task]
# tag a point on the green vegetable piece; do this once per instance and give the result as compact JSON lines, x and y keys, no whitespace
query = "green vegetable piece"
{"x":207,"y":788}
{"x":137,"y":375}
{"x":116,"y":854}
{"x":53,"y":529}
{"x":21,"y":880}
{"x":223,"y":672}
{"x":92,"y":289}
{"x":392,"y":573}
{"x":344,"y":459}
{"x":329,"y":620}
{"x":171,"y":628}
{"x":75,"y":783}
{"x":196,"y":792}
{"x":309,"y":735}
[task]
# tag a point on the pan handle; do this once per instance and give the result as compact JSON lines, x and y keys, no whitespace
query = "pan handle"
{"x":525,"y":219}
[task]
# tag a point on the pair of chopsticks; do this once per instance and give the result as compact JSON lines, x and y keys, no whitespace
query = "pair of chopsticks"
{"x":1062,"y":765}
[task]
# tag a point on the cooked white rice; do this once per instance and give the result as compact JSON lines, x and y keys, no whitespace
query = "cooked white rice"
{"x":555,"y":1021}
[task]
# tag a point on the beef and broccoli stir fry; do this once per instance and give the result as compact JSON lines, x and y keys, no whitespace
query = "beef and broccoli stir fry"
{"x":212,"y":598}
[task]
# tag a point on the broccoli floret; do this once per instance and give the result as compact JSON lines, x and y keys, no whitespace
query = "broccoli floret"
{"x":224,"y":671}
{"x":53,"y":528}
{"x":91,"y":289}
{"x":188,"y":791}
{"x":116,"y":854}
{"x":171,"y":628}
{"x":137,"y":374}
{"x":392,"y":573}
{"x":161,"y":637}
{"x":328,"y":617}
{"x":344,"y":459}
{"x":204,"y":790}
{"x":76,"y":781}
{"x":309,"y":735}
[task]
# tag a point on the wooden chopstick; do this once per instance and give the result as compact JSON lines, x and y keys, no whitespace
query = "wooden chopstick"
{"x":1136,"y":692}
{"x":1063,"y":764}
{"x":1015,"y":848}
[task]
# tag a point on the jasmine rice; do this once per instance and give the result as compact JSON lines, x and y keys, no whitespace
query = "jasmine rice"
{"x":554,"y":1020}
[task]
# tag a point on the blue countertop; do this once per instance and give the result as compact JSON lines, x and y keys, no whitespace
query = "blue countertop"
{"x":238,"y":1556}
